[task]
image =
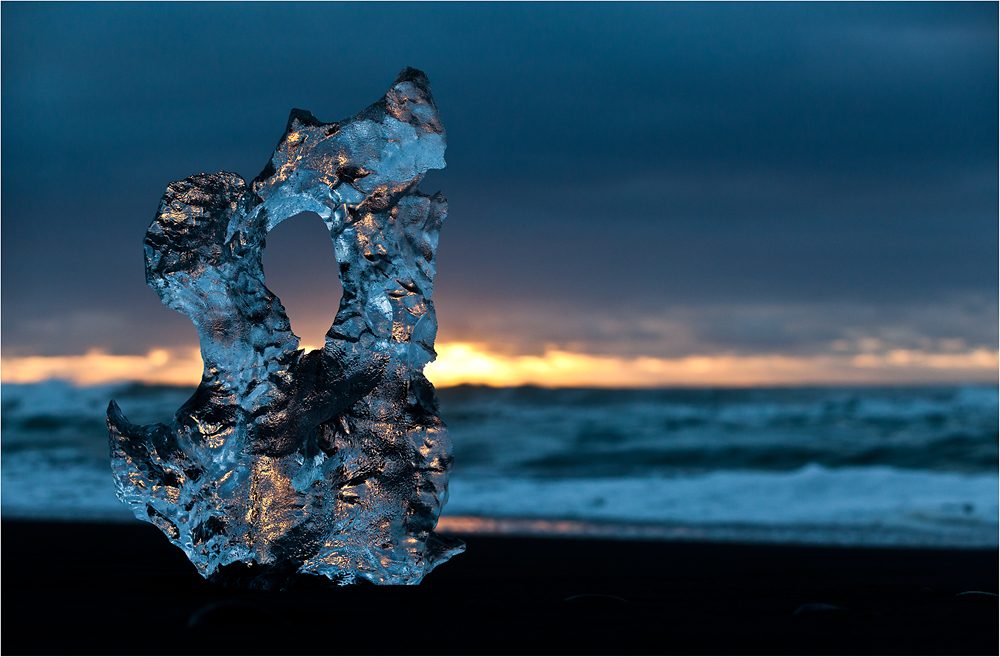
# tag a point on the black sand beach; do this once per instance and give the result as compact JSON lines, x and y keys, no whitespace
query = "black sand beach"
{"x":122,"y":589}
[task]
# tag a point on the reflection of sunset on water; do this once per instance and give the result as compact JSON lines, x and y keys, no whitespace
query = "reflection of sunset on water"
{"x":467,"y":363}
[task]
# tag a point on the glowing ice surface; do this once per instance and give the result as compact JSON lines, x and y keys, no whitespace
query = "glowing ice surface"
{"x":332,"y":462}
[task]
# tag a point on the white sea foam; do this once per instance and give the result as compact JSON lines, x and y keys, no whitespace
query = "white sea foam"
{"x":814,"y":494}
{"x":854,"y":506}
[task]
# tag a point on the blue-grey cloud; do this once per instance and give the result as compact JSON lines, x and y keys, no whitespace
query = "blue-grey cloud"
{"x":617,"y":156}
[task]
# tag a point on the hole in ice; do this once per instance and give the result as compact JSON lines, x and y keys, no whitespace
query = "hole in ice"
{"x":300,"y":267}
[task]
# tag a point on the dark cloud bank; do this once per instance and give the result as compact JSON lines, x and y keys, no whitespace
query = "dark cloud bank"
{"x":623,"y":178}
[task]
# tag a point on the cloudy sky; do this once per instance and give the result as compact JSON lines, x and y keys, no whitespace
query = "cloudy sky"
{"x":630,"y":185}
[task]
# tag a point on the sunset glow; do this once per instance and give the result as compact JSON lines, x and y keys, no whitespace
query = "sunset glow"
{"x":171,"y":367}
{"x":468,"y":363}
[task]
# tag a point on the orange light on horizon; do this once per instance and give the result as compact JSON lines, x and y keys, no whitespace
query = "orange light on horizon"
{"x":459,"y":363}
{"x":171,"y":367}
{"x":468,"y":363}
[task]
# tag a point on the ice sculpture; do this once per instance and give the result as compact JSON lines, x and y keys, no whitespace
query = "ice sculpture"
{"x":332,"y":462}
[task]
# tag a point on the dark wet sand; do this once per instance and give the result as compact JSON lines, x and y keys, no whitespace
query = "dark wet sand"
{"x":122,"y":589}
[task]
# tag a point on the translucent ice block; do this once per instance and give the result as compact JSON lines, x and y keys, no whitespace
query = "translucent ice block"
{"x":332,"y":462}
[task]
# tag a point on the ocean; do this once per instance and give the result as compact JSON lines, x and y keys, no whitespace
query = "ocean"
{"x":915,"y":466}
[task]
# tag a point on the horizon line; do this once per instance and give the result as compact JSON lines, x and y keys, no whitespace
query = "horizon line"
{"x":462,"y":363}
